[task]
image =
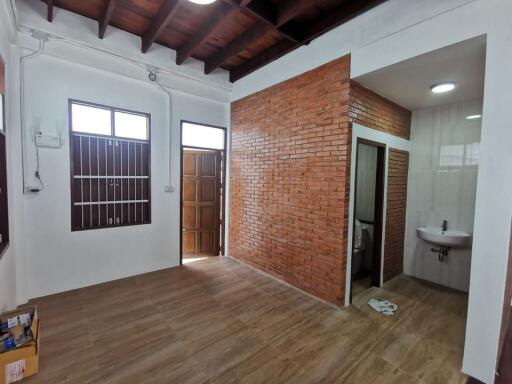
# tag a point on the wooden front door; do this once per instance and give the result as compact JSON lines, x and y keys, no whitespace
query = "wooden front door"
{"x":201,"y":202}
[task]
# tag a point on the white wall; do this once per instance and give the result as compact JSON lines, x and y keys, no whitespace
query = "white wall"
{"x":493,"y":202}
{"x":60,"y":260}
{"x":360,"y":131}
{"x":443,"y":169}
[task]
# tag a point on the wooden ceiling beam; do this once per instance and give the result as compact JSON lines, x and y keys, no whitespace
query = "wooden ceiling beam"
{"x":338,"y":16}
{"x":270,"y":17}
{"x":274,"y":16}
{"x":270,"y":54}
{"x":158,"y":24}
{"x":235,"y":46}
{"x":291,"y":10}
{"x":49,"y":11}
{"x":220,"y":13}
{"x":105,"y":18}
{"x":326,"y":22}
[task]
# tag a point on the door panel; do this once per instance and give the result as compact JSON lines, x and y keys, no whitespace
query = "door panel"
{"x":208,"y":164}
{"x":208,"y":190}
{"x":189,"y":217}
{"x":208,"y":217}
{"x":207,"y":241}
{"x":189,"y":190}
{"x":189,"y":165}
{"x":201,"y":202}
{"x":189,"y":242}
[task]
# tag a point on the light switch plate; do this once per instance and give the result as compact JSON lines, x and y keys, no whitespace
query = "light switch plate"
{"x":48,"y":141}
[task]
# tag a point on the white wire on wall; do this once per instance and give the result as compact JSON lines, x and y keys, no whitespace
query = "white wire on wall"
{"x":154,"y":78}
{"x":23,"y":59}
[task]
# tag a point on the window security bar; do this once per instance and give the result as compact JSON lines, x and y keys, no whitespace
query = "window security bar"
{"x":87,"y":203}
{"x":109,"y":177}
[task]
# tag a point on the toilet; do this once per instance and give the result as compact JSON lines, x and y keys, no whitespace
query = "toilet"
{"x":362,"y":243}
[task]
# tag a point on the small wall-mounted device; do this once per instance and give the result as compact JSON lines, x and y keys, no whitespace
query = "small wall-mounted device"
{"x":30,"y":189}
{"x":48,"y":141}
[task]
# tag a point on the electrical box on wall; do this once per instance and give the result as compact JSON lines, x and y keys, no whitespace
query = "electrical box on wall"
{"x":48,"y":141}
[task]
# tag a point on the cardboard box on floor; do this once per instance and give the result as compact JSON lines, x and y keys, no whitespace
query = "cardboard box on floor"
{"x":21,"y":362}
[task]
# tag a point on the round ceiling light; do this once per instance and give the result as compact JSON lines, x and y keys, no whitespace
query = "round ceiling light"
{"x":202,"y":1}
{"x":473,"y":117}
{"x":443,"y":87}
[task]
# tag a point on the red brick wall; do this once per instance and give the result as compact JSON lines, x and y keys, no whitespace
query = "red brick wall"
{"x":374,"y":111}
{"x":290,"y":163}
{"x":398,"y":165}
{"x":290,"y":181}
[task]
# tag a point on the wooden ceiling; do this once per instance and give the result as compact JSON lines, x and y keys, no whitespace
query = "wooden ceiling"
{"x":237,"y":35}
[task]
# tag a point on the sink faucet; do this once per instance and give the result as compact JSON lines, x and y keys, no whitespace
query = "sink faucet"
{"x":445,"y":225}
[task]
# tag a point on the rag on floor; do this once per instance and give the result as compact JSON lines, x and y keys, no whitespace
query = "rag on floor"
{"x":383,"y":306}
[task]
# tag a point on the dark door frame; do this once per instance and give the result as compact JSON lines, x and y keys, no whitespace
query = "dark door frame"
{"x":223,"y":183}
{"x":378,"y":215}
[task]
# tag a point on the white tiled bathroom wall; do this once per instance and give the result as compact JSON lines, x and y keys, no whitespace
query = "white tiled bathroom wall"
{"x":442,"y":186}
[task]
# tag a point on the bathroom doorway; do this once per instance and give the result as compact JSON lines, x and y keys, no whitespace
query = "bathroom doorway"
{"x":368,"y":216}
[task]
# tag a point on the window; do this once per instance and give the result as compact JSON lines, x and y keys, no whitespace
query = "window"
{"x":110,"y":167}
{"x":453,"y":156}
{"x":202,"y":136}
{"x":4,"y":214}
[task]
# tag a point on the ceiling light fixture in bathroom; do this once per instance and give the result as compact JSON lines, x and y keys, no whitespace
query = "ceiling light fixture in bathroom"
{"x":202,"y":1}
{"x":443,"y":87}
{"x":473,"y":117}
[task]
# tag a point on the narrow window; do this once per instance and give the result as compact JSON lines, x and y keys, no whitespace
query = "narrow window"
{"x":110,"y":167}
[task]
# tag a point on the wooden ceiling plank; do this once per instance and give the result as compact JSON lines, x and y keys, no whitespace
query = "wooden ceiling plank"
{"x":263,"y":58}
{"x":221,"y":12}
{"x":263,"y":10}
{"x":235,"y":46}
{"x":291,"y":10}
{"x":105,"y":18}
{"x":49,"y":15}
{"x":326,"y":22}
{"x":158,"y":24}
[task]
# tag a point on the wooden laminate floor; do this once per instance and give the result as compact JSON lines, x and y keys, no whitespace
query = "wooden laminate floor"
{"x":218,"y":321}
{"x":360,"y":285}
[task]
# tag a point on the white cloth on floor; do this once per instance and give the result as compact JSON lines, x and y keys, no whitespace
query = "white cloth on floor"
{"x":383,"y":306}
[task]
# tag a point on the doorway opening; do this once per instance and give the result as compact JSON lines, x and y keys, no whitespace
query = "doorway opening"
{"x":368,"y":216}
{"x":202,"y":189}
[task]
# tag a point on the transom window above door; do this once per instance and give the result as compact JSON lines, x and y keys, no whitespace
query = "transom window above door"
{"x":202,"y":136}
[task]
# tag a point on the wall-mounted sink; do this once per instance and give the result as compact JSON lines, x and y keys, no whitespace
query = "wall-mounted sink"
{"x":444,"y":238}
